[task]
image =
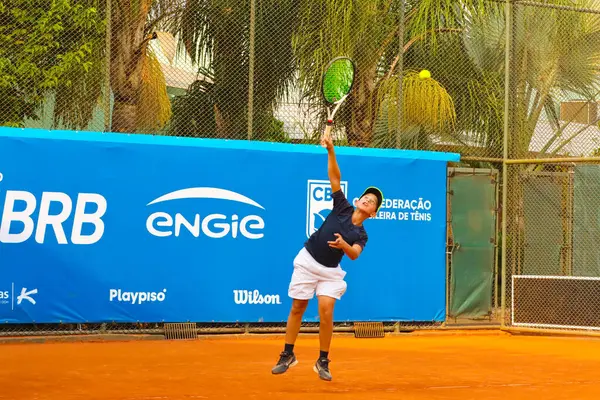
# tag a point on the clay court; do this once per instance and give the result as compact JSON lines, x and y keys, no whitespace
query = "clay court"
{"x":465,"y":365}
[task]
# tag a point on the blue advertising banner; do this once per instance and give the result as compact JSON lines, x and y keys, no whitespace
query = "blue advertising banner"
{"x":108,"y":227}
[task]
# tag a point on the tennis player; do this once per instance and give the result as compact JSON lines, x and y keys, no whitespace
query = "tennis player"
{"x":317,"y":265}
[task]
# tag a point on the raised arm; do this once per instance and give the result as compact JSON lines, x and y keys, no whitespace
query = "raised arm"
{"x":333,"y":169}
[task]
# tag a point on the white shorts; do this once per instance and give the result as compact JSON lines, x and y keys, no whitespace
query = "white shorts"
{"x":310,"y":276}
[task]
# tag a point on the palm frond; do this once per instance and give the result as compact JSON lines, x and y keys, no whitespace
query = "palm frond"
{"x":484,"y":39}
{"x":332,"y":28}
{"x":556,"y":54}
{"x":153,"y":101}
{"x":425,"y":103}
{"x":432,"y":15}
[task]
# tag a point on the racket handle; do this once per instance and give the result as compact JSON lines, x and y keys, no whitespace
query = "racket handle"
{"x":327,"y":132}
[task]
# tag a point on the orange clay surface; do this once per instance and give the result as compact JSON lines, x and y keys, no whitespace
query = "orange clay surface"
{"x":421,"y":366}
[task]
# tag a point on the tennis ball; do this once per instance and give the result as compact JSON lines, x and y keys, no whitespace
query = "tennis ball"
{"x":424,"y":74}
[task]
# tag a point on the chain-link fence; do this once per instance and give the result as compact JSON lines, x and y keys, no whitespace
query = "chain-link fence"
{"x":551,"y":194}
{"x":512,"y":82}
{"x":552,"y":261}
{"x":252,"y":70}
{"x":201,"y":328}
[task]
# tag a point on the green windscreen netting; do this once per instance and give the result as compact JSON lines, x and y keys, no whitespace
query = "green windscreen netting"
{"x":586,"y":227}
{"x":473,"y":226}
{"x":545,"y":217}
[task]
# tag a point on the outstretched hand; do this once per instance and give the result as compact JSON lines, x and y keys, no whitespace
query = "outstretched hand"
{"x":326,"y":141}
{"x":338,"y":243}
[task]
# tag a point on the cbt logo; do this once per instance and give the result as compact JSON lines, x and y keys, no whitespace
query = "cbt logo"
{"x":319,"y":203}
{"x":215,"y":225}
{"x":53,"y":210}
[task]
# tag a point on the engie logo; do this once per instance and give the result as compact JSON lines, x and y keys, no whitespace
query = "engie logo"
{"x":319,"y":203}
{"x":137,"y":297}
{"x":54,"y":209}
{"x":163,"y":224}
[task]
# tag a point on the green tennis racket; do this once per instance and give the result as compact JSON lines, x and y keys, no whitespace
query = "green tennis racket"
{"x":338,"y":79}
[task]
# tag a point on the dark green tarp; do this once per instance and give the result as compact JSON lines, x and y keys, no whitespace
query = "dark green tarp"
{"x":543,"y":224}
{"x":473,"y":227}
{"x":586,"y":227}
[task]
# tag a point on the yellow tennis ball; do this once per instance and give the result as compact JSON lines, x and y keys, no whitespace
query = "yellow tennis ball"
{"x":424,"y":74}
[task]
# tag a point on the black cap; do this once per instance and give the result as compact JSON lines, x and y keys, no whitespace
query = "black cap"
{"x":377,"y":192}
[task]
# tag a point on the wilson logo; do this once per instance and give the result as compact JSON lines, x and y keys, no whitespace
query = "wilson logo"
{"x":254,"y":297}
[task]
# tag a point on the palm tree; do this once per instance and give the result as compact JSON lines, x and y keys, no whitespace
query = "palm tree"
{"x":216,"y":35}
{"x":477,"y":94}
{"x":136,"y":79}
{"x":367,"y":31}
{"x":557,"y":55}
{"x":294,"y":41}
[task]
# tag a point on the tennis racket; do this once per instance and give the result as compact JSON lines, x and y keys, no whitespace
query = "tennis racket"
{"x":338,"y":79}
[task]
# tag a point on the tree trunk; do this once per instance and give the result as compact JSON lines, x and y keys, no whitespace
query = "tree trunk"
{"x":231,"y":69}
{"x":360,"y":131}
{"x":127,"y":49}
{"x":124,"y":116}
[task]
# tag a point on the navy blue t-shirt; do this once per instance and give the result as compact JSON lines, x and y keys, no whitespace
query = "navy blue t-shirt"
{"x":339,"y":221}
